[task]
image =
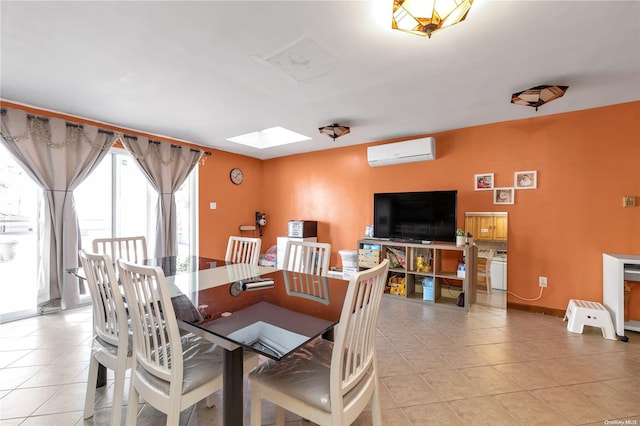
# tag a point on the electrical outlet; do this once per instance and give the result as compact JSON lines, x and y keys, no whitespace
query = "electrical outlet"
{"x":542,"y":281}
{"x":628,"y":201}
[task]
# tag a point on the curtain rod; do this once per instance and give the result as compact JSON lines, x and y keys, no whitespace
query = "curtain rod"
{"x":98,"y":124}
{"x":207,"y":153}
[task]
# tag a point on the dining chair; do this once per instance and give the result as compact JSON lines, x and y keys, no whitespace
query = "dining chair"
{"x":171,"y":372}
{"x":485,"y":272}
{"x":129,"y":248}
{"x":307,"y":257}
{"x":330,"y":383}
{"x":243,"y":250}
{"x":112,"y":341}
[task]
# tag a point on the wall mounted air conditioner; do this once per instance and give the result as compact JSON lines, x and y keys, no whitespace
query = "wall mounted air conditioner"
{"x":422,"y":149}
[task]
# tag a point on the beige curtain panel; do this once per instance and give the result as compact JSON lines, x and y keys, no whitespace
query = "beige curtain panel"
{"x":166,"y":166}
{"x":58,"y":156}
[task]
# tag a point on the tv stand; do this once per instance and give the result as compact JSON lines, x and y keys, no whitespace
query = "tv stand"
{"x":442,"y":259}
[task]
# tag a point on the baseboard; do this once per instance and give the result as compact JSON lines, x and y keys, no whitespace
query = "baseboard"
{"x":536,"y":309}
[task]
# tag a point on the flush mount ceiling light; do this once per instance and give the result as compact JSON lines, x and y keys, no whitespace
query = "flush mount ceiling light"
{"x":538,"y":95}
{"x":423,"y":17}
{"x":334,"y":130}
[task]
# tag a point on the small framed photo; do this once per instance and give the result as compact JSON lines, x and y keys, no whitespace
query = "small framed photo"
{"x":483,"y":181}
{"x":503,"y":195}
{"x":525,"y":180}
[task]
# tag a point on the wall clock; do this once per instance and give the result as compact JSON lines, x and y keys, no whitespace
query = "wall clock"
{"x":236,"y":176}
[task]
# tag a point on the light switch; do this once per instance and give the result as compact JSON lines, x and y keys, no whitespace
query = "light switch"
{"x":628,"y":201}
{"x":213,"y":206}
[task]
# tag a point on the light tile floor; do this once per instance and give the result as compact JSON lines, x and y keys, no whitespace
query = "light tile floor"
{"x":437,"y":365}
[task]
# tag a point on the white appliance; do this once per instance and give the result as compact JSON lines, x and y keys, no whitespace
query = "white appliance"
{"x":499,"y":272}
{"x":281,"y":247}
{"x":422,"y":149}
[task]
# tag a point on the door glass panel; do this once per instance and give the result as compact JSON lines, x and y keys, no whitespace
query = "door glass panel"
{"x":186,"y":208}
{"x":114,"y":201}
{"x":132,"y":194}
{"x":94,"y":203}
{"x":19,"y":201}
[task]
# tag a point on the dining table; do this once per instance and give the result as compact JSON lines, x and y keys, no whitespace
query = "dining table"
{"x":243,"y":307}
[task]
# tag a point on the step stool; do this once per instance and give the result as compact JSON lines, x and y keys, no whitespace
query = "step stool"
{"x":582,"y":312}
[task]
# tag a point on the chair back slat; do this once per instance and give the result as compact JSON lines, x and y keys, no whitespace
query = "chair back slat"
{"x":314,"y":287}
{"x":243,"y":250}
{"x":109,"y":313}
{"x":133,"y":249}
{"x":353,"y":357}
{"x":155,"y":329}
{"x":307,"y":257}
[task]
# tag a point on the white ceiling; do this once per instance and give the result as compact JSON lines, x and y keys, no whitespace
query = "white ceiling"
{"x":201,"y":71}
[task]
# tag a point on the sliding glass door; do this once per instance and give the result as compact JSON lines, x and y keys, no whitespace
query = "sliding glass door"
{"x":116,"y":200}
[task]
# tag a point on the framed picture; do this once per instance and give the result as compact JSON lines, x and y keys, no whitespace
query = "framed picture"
{"x":483,"y":181}
{"x":503,"y":195}
{"x":525,"y":180}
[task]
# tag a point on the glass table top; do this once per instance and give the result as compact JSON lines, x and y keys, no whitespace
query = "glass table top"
{"x":269,"y":311}
{"x":262,"y":312}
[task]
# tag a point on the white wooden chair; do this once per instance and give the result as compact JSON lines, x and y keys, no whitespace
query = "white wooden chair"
{"x":243,"y":250}
{"x":307,"y":257}
{"x":171,"y":372}
{"x":133,"y":249}
{"x":486,"y":271}
{"x":325,"y":382}
{"x":112,"y":342}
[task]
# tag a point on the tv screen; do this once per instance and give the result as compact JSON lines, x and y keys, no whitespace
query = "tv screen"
{"x":416,"y":216}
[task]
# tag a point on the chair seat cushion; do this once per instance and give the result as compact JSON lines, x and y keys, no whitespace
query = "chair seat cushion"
{"x":99,"y":345}
{"x":202,"y":361}
{"x":303,"y":375}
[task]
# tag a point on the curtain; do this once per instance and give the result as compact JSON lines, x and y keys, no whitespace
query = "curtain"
{"x":166,"y":166}
{"x":58,"y":156}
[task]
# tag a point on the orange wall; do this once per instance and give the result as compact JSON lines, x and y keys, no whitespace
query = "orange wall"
{"x":586,"y":162}
{"x":235,"y":204}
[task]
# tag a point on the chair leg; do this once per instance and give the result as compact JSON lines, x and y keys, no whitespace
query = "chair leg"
{"x":209,"y":401}
{"x":280,"y":415}
{"x":173,"y":410}
{"x":256,"y":410}
{"x":376,"y":413}
{"x":173,"y":418}
{"x":118,"y":393}
{"x":90,"y":395}
{"x":132,"y":405}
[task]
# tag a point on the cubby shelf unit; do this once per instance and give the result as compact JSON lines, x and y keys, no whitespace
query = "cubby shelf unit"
{"x":447,"y":284}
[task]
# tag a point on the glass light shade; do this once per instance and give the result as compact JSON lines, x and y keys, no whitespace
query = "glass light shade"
{"x":334,"y":130}
{"x":423,"y":17}
{"x":538,"y":95}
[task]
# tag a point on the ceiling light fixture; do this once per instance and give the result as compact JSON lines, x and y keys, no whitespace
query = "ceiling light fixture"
{"x":334,"y":130}
{"x":538,"y":95}
{"x":423,"y":17}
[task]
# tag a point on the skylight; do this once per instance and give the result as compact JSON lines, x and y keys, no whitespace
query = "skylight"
{"x":267,"y":138}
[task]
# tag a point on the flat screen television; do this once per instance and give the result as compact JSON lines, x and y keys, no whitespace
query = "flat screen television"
{"x":416,"y":216}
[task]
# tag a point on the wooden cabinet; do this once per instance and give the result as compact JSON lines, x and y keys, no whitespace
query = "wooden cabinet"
{"x":487,"y":226}
{"x":440,"y":282}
